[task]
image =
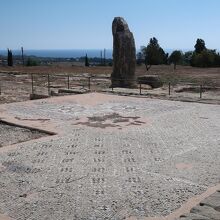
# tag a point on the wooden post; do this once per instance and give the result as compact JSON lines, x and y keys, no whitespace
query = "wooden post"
{"x":112,"y":84}
{"x":200,"y":91}
{"x":48,"y":83}
{"x":169,"y":89}
{"x":89,"y":83}
{"x":32,"y":83}
{"x":68,"y":82}
{"x":140,"y":88}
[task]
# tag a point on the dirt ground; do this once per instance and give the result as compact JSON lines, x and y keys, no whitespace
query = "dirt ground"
{"x":182,"y":73}
{"x":19,"y":134}
{"x":16,"y":82}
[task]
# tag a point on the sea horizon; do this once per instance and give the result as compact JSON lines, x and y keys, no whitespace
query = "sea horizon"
{"x":70,"y":53}
{"x":62,"y":53}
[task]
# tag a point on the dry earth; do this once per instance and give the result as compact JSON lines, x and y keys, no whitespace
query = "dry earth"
{"x":15,"y":82}
{"x":183,"y":73}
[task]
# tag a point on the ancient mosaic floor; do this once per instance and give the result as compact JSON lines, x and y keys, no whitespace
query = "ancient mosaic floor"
{"x":112,"y":158}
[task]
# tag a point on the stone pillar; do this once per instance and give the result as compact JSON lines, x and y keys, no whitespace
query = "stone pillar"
{"x":124,"y":54}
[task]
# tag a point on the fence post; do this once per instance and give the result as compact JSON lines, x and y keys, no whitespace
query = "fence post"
{"x":68,"y":82}
{"x":48,"y":83}
{"x":112,"y":82}
{"x":32,"y":83}
{"x":169,"y":89}
{"x":89,"y":83}
{"x":140,"y":88}
{"x":200,"y":91}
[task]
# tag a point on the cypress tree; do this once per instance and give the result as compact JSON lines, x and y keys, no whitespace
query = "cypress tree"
{"x":86,"y":61}
{"x":10,"y":58}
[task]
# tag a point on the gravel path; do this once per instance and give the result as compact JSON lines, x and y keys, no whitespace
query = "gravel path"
{"x":12,"y":134}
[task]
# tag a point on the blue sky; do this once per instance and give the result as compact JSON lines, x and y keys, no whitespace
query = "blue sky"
{"x":86,"y":24}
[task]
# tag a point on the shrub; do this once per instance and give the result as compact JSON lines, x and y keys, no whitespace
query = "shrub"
{"x":32,"y":62}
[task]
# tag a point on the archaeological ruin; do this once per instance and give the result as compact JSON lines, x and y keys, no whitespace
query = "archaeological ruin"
{"x":124,"y":54}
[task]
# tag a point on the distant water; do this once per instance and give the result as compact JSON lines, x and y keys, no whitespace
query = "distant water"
{"x":72,"y":53}
{"x":61,"y":53}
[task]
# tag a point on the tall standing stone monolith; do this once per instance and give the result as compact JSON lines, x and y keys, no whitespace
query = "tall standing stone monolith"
{"x":124,"y":54}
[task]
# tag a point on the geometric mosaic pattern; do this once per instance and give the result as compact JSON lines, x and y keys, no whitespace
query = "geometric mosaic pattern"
{"x":112,"y":159}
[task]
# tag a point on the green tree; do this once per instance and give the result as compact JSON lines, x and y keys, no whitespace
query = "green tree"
{"x":217,"y":59}
{"x":31,"y":62}
{"x":86,"y":60}
{"x":10,"y":58}
{"x":187,"y":57}
{"x":154,"y":54}
{"x":204,"y":59}
{"x":175,"y":57}
{"x":200,"y":45}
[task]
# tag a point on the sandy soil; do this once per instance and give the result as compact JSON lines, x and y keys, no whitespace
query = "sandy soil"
{"x":15,"y":82}
{"x":182,"y":73}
